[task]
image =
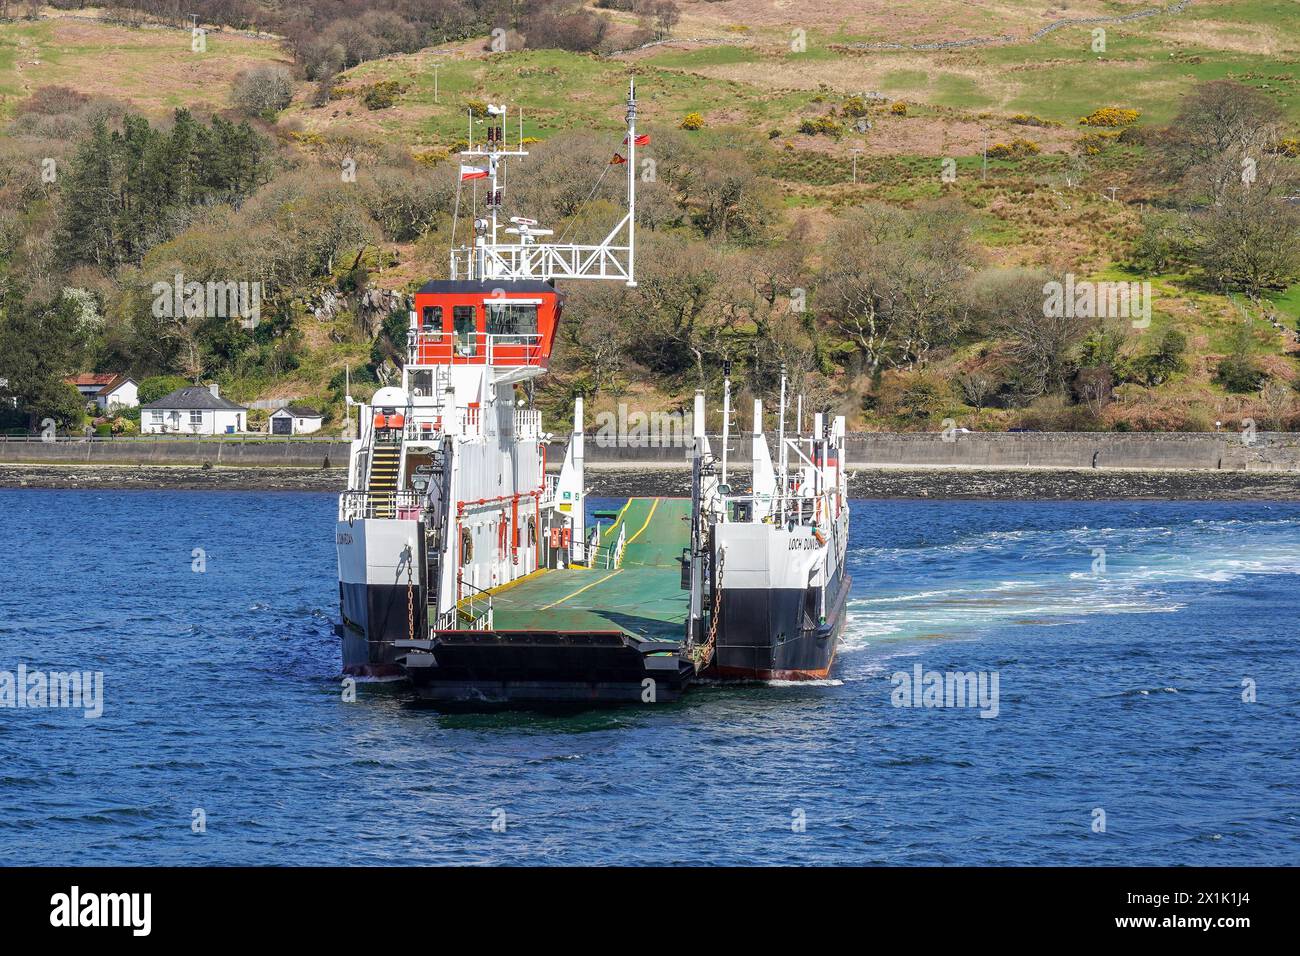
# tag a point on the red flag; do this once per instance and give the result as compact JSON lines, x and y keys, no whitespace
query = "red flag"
{"x":617,"y":160}
{"x":472,"y":172}
{"x":642,"y":140}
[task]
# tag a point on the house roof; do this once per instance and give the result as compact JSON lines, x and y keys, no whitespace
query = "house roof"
{"x":195,"y":396}
{"x":87,"y":379}
{"x":298,"y":411}
{"x":113,"y":386}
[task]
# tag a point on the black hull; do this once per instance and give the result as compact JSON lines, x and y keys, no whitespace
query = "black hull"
{"x":374,"y":616}
{"x":525,"y":669}
{"x":764,"y":634}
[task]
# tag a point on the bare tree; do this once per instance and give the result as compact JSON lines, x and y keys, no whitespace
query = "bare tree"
{"x":894,"y":281}
{"x":1221,"y":125}
{"x":262,"y":91}
{"x":1276,"y":400}
{"x":1011,"y":302}
{"x":666,"y":16}
{"x":975,"y":388}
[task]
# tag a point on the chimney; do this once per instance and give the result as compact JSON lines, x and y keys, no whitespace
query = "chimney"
{"x":215,"y":389}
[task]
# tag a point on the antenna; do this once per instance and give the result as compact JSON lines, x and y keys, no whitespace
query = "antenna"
{"x":780,"y":439}
{"x":487,"y":258}
{"x":726,"y":414}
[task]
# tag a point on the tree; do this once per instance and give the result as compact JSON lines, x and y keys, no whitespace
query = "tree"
{"x":1220,"y":124}
{"x":1011,"y":303}
{"x":1165,"y":241}
{"x":676,"y":319}
{"x":129,"y":189}
{"x":1250,"y":239}
{"x":1237,"y":371}
{"x":40,"y":345}
{"x":157,"y":386}
{"x":895,"y":281}
{"x":728,"y":199}
{"x":666,"y":15}
{"x":86,"y":231}
{"x":262,"y":91}
{"x":976,"y":388}
{"x":1277,"y":400}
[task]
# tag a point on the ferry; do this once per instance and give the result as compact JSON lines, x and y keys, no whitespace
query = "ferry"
{"x":466,"y":563}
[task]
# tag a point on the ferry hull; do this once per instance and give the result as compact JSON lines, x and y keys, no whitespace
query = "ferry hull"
{"x":376,"y":603}
{"x":761,"y":637}
{"x":374,"y":616}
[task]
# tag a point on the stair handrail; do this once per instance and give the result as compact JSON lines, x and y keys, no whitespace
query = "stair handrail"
{"x":480,"y":618}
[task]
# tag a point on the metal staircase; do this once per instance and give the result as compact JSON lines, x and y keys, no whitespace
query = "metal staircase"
{"x":382,"y":485}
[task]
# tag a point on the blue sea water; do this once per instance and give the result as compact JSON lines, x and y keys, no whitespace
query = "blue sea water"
{"x":1120,"y":694}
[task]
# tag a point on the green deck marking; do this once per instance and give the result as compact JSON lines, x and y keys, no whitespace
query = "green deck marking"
{"x":661,"y":543}
{"x":643,"y":599}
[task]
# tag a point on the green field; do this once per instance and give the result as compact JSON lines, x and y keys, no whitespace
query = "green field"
{"x":754,"y":92}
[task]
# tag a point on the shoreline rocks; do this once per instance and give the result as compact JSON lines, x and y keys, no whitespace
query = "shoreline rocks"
{"x":1059,"y":484}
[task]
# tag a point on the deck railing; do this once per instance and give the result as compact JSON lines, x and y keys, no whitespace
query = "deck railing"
{"x":477,"y":348}
{"x":403,"y":505}
{"x":471,"y":613}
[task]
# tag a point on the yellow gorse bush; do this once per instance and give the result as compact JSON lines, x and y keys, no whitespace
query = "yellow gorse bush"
{"x":1110,"y":116}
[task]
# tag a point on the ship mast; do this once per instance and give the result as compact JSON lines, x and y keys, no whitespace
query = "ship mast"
{"x":614,"y":257}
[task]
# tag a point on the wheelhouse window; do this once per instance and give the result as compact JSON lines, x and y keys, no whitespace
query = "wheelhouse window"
{"x":463,"y":319}
{"x":431,"y":320}
{"x":512,"y":322}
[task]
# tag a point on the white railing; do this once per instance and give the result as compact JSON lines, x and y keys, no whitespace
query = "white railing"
{"x":422,"y":428}
{"x":608,"y":555}
{"x":472,"y":613}
{"x":402,"y":505}
{"x":549,"y":487}
{"x":538,"y":261}
{"x":476,"y":348}
{"x":528,"y":422}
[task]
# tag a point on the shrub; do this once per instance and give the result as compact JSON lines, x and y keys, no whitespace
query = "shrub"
{"x":1164,"y":242}
{"x":1053,"y":413}
{"x":1239,"y":373}
{"x":1028,"y":119}
{"x":899,"y":108}
{"x":692,"y":121}
{"x":1016,"y":149}
{"x":1091,"y":144}
{"x":156,"y":386}
{"x":383,"y":94}
{"x":855,"y":106}
{"x":824,"y":125}
{"x":1110,"y":116}
{"x":1167,"y":359}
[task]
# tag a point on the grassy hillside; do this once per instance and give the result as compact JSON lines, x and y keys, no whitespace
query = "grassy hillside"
{"x":755,"y":71}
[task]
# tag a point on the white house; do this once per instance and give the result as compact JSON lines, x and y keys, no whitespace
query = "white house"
{"x":108,"y":390}
{"x":295,"y":420}
{"x":193,"y":410}
{"x":122,"y":392}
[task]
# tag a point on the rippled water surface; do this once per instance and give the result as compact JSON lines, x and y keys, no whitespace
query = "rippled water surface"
{"x":1120,"y":683}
